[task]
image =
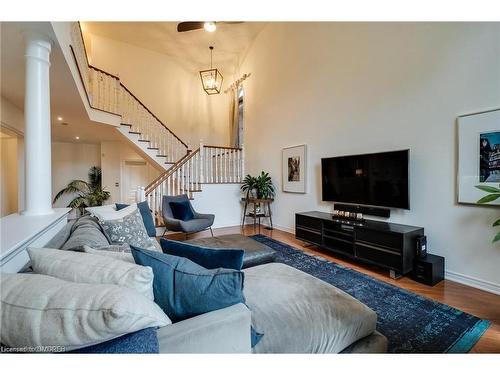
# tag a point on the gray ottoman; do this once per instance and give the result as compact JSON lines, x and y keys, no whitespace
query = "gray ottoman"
{"x":256,"y":253}
{"x":298,"y":313}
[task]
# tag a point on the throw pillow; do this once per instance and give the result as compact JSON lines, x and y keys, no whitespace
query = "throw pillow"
{"x":101,"y":210}
{"x":40,"y":310}
{"x":120,"y":252}
{"x":144,"y":341}
{"x":182,"y":210}
{"x":105,"y":213}
{"x":92,"y":269}
{"x":128,"y":229}
{"x":147,"y":217}
{"x":206,"y":257}
{"x":85,"y":231}
{"x":184,"y":289}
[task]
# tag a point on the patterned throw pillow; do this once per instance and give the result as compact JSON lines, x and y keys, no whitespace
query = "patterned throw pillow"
{"x":130,"y":230}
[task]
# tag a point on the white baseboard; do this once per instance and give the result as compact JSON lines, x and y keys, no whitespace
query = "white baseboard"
{"x":284,"y":229}
{"x":474,"y":282}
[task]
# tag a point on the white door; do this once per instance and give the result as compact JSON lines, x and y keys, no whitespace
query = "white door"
{"x":135,"y":173}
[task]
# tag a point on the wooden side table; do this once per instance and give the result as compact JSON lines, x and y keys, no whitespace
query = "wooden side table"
{"x":257,"y":215}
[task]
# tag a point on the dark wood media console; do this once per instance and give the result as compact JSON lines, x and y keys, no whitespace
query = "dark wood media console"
{"x":389,"y":245}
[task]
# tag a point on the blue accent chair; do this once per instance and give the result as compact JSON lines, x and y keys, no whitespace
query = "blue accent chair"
{"x":199,"y":223}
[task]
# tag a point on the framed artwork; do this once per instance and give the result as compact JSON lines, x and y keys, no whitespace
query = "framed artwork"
{"x":478,"y":154}
{"x":294,"y":168}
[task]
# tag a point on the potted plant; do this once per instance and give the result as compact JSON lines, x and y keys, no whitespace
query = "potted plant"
{"x":264,"y":186}
{"x":248,"y":186}
{"x":260,"y":187}
{"x":493,"y":195}
{"x":88,"y":194}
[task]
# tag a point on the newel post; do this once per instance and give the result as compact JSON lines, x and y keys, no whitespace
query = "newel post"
{"x":140,"y":194}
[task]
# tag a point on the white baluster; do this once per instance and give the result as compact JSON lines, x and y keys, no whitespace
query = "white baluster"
{"x":200,"y":178}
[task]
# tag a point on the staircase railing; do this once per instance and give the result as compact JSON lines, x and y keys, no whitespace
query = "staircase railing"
{"x":205,"y":165}
{"x":107,"y":93}
{"x":190,"y":169}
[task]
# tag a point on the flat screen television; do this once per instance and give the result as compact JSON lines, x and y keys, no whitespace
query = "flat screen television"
{"x":379,"y":179}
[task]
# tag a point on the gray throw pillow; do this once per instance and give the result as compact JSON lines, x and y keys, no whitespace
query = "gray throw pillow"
{"x":130,"y":230}
{"x":85,"y":231}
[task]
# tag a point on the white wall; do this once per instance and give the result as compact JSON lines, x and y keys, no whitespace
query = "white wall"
{"x":222,"y":200}
{"x":72,"y":161}
{"x":347,"y":88}
{"x":12,"y":119}
{"x":171,"y":92}
{"x":8,"y":175}
{"x":114,"y":154}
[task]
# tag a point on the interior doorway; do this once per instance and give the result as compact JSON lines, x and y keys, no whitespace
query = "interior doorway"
{"x":135,"y":173}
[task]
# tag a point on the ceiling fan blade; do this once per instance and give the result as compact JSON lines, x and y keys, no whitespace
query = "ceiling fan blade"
{"x":232,"y":22}
{"x":188,"y":26}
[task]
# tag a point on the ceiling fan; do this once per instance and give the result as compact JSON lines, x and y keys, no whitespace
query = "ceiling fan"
{"x":196,"y":25}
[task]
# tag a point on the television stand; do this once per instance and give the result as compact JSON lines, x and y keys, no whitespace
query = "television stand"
{"x":388,"y":245}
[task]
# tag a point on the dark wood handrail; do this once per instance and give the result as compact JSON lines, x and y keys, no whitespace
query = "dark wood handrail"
{"x":152,"y":114}
{"x":83,"y":83}
{"x":153,"y":185}
{"x":104,"y":72}
{"x":121,"y":84}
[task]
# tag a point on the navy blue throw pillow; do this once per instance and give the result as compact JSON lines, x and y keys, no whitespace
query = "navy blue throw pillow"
{"x":204,"y":256}
{"x":144,"y":341}
{"x":255,"y":336}
{"x":184,"y":289}
{"x":147,"y":217}
{"x":182,"y":210}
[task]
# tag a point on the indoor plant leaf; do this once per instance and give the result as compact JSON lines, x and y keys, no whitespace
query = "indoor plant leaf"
{"x":497,"y":237}
{"x":489,"y":198}
{"x":488,"y":189}
{"x":496,"y":223}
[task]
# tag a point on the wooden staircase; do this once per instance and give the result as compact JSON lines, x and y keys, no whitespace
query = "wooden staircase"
{"x":184,"y":170}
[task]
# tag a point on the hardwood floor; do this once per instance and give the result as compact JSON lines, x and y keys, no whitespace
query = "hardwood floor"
{"x":474,"y":301}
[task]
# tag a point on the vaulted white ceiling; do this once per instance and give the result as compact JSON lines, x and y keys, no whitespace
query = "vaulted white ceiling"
{"x":64,"y":98}
{"x":190,"y":48}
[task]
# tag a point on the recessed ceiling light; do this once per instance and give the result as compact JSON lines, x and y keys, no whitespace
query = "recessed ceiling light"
{"x":59,"y":118}
{"x":77,"y":137}
{"x":209,"y":26}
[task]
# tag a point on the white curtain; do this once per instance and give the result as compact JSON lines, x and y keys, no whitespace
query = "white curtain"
{"x":234,"y":118}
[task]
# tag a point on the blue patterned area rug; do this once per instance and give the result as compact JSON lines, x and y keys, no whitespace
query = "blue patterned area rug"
{"x":411,"y":323}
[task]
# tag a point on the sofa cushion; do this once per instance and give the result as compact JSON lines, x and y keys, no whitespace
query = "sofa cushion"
{"x":120,"y":252}
{"x":301,"y":314}
{"x":92,"y":269}
{"x":206,"y":257}
{"x":128,"y":229}
{"x":147,"y":217}
{"x":40,"y":310}
{"x":144,"y":341}
{"x":184,"y":289}
{"x":182,"y":210}
{"x":85,"y":231}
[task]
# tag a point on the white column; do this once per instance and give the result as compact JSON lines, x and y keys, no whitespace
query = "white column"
{"x":37,"y":146}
